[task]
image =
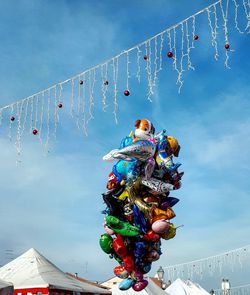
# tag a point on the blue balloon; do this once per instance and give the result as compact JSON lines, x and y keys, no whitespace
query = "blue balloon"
{"x":139,"y":219}
{"x":126,"y":284}
{"x":127,"y":170}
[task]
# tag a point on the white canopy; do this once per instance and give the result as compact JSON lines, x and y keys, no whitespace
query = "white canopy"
{"x":6,"y":288}
{"x":151,"y":289}
{"x":32,"y":270}
{"x":179,"y":287}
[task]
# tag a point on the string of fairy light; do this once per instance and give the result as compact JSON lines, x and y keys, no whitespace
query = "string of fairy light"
{"x":39,"y":113}
{"x":208,"y":265}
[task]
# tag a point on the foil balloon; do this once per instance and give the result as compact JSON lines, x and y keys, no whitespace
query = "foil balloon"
{"x":138,"y":286}
{"x":126,"y":284}
{"x":157,"y":186}
{"x":127,"y":170}
{"x":160,"y":226}
{"x":138,"y":206}
{"x":141,"y":150}
{"x":108,"y":230}
{"x":168,"y":202}
{"x":139,"y":219}
{"x":119,"y":247}
{"x":121,"y":272}
{"x":106,"y":243}
{"x":151,"y":236}
{"x":149,"y":167}
{"x":122,"y":227}
{"x":115,"y":207}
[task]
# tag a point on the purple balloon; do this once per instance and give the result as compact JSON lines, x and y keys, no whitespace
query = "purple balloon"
{"x":168,"y":202}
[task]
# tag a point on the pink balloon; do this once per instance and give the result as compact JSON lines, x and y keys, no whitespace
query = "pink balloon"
{"x":152,"y":256}
{"x":160,"y":226}
{"x":108,"y":230}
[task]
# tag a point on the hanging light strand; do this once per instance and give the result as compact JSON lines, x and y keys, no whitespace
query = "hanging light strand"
{"x":236,"y":5}
{"x":72,"y":97}
{"x":246,"y":6}
{"x":41,"y":118}
{"x":213,"y":29}
{"x":193,"y":30}
{"x":104,"y":80}
{"x":10,"y":121}
{"x":84,"y":122}
{"x":155,"y":61}
{"x":179,"y":46}
{"x":149,"y":70}
{"x":48,"y":122}
{"x":160,"y":54}
{"x":18,"y":133}
{"x":138,"y":60}
{"x":135,"y":47}
{"x":127,"y":70}
{"x":115,"y":66}
{"x":92,"y":80}
{"x":209,"y":264}
{"x":189,"y":63}
{"x":225,"y":28}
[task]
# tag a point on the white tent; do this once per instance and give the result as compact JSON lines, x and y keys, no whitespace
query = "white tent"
{"x":151,"y":289}
{"x":179,"y":287}
{"x":197,"y":287}
{"x":6,"y":288}
{"x":31,"y":270}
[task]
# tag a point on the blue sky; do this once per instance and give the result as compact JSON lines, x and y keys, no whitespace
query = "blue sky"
{"x":52,"y":202}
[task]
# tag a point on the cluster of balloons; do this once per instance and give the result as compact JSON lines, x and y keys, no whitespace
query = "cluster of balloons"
{"x":138,"y":206}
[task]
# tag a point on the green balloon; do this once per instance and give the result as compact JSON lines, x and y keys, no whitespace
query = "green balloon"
{"x":106,"y":243}
{"x":117,"y":258}
{"x":122,"y":227}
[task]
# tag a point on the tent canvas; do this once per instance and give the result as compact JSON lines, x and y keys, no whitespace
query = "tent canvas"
{"x":179,"y":287}
{"x":6,"y":288}
{"x":33,"y":270}
{"x":151,"y":289}
{"x":197,"y":287}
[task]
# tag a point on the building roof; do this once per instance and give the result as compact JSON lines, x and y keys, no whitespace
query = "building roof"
{"x":76,"y":277}
{"x":111,"y":282}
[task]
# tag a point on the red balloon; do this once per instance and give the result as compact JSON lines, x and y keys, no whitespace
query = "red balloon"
{"x":120,"y":272}
{"x":138,"y":286}
{"x":119,"y":246}
{"x":151,"y":236}
{"x":128,"y":263}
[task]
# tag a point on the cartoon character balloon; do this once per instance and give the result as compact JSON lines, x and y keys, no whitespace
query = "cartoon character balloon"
{"x":138,"y":206}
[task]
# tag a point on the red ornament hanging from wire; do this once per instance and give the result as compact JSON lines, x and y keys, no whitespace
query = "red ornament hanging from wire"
{"x":126,"y":93}
{"x":170,"y":54}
